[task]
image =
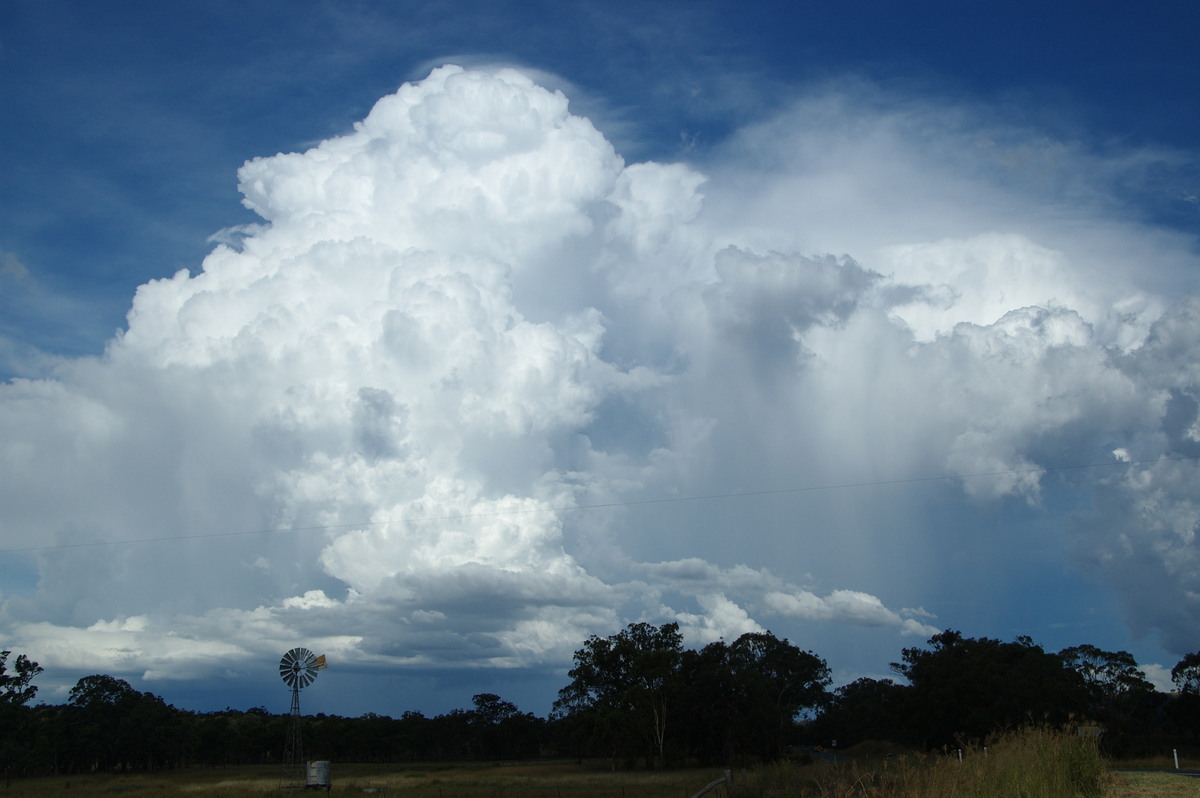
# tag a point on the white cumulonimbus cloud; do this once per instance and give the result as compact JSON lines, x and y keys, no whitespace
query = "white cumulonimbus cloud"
{"x":468,"y":340}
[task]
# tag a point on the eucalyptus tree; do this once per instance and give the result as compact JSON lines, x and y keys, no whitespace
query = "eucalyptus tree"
{"x":622,"y":684}
{"x":970,"y":687}
{"x":775,"y":683}
{"x":1186,"y":674}
{"x":1185,"y":709}
{"x":1120,"y":697}
{"x":17,"y":688}
{"x":117,"y":727}
{"x":1108,"y":675}
{"x":868,"y":709}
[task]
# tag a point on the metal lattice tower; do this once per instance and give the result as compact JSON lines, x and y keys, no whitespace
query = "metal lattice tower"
{"x":293,"y":749}
{"x":298,"y":668}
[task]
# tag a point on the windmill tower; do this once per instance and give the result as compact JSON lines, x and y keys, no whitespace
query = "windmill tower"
{"x":298,"y":669}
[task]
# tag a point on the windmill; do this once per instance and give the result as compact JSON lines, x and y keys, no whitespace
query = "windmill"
{"x":298,"y":669}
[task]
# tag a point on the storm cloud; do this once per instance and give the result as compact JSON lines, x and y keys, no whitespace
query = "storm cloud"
{"x":475,"y":388}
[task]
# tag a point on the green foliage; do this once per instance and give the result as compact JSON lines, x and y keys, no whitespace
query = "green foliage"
{"x":1108,"y":675}
{"x":620,"y":685}
{"x":967,"y":688}
{"x":1119,"y":697}
{"x":107,"y":725}
{"x":17,"y":731}
{"x":100,"y":690}
{"x":17,"y":687}
{"x":868,"y":709}
{"x":1186,"y":674}
{"x":727,"y":701}
{"x":743,"y":699}
{"x":1184,"y":711}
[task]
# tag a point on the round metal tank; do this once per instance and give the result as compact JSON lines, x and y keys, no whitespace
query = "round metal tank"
{"x":318,"y":774}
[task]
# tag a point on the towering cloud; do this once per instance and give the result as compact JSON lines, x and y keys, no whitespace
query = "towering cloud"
{"x":475,"y":388}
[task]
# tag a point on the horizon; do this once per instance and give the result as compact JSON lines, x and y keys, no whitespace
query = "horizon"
{"x":1167,"y":688}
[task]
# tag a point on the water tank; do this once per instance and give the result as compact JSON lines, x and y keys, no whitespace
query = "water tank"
{"x":318,"y":774}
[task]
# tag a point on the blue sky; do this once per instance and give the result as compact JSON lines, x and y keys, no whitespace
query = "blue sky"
{"x":849,"y":321}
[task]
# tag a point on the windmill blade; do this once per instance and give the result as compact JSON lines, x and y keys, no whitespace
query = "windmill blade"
{"x":286,"y":672}
{"x":309,"y":669}
{"x":294,"y":667}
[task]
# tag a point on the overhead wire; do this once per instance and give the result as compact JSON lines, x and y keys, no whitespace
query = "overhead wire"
{"x":576,"y":508}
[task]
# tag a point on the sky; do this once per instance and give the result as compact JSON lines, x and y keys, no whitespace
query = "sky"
{"x":438,"y":337}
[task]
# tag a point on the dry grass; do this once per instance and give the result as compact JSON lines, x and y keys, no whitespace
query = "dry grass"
{"x":1164,"y":761}
{"x":1151,"y":785}
{"x":457,"y":780}
{"x":1031,"y":764}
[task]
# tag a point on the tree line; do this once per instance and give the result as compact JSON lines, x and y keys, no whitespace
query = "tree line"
{"x":637,"y":698}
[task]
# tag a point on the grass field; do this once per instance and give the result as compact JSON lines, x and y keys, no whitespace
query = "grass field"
{"x":457,"y":780}
{"x":1151,"y":785}
{"x":542,"y":781}
{"x":545,"y":780}
{"x":1031,"y":764}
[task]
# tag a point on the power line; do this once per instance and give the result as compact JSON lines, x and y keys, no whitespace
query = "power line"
{"x":604,"y":505}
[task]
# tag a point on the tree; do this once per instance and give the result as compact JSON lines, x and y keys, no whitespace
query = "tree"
{"x":100,"y":705}
{"x":491,"y":709}
{"x":501,"y":730}
{"x":774,"y":681}
{"x":100,"y":690}
{"x":742,"y":699}
{"x":868,"y":709}
{"x":709,"y":704}
{"x":1185,"y":708}
{"x":16,"y":688}
{"x":1186,"y":674}
{"x":1108,"y":675}
{"x":1120,"y":697}
{"x":622,"y":682}
{"x":967,"y":688}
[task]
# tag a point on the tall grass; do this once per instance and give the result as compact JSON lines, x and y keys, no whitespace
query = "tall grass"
{"x":1031,"y":763}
